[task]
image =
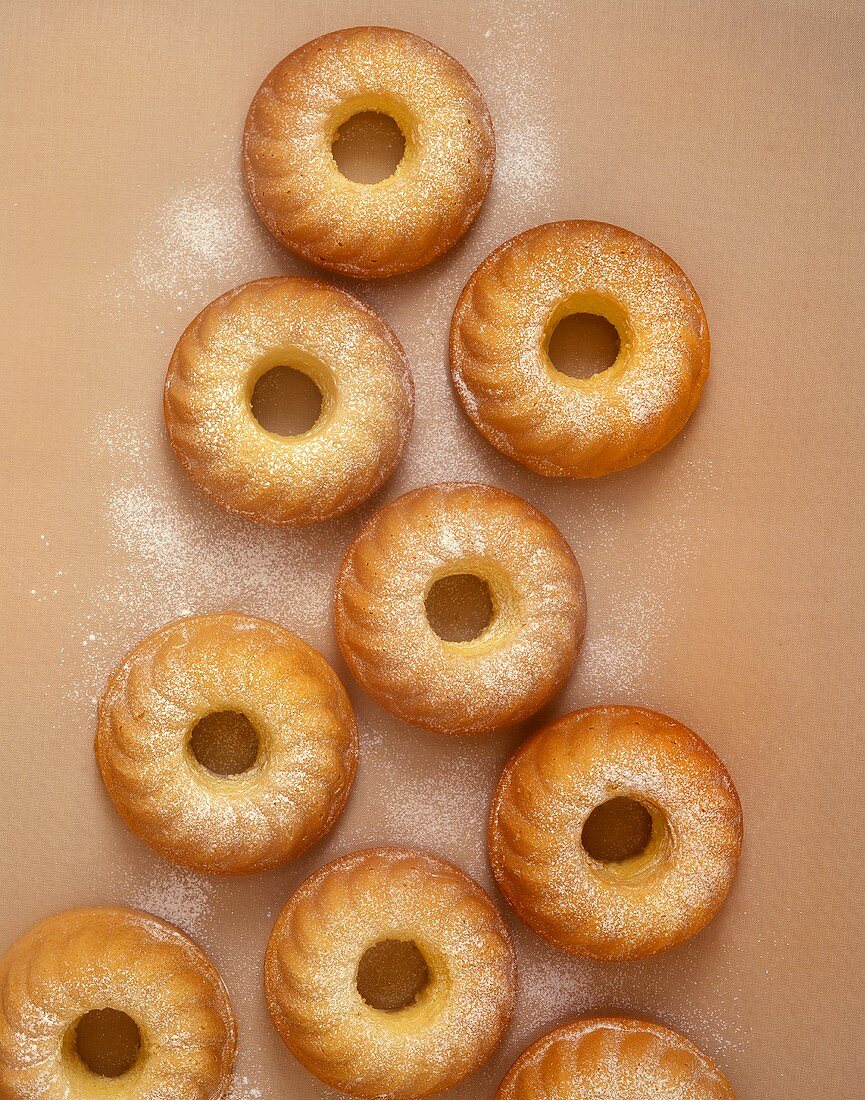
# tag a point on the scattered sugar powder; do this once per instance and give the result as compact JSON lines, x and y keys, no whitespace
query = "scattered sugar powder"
{"x":636,"y":566}
{"x":443,"y":806}
{"x":555,"y":988}
{"x":197,"y":242}
{"x":551,"y":986}
{"x":615,"y":656}
{"x":243,"y":1089}
{"x":443,"y":446}
{"x":180,"y":555}
{"x":176,"y":895}
{"x":527,"y":156}
{"x":205,"y":229}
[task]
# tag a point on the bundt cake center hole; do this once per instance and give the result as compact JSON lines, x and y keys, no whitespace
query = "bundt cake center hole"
{"x":617,"y":830}
{"x":583,"y":344}
{"x":392,"y":974}
{"x":107,"y":1041}
{"x":286,"y":401}
{"x":368,"y":147}
{"x":459,"y":607}
{"x":225,"y":743}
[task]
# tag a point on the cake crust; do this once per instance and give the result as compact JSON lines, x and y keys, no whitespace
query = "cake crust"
{"x":406,"y":220}
{"x":312,"y":962}
{"x":210,"y":664}
{"x":524,"y":654}
{"x":559,"y":425}
{"x":640,"y":906}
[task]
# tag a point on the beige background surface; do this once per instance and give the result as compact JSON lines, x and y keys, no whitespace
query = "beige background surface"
{"x":724,"y":576}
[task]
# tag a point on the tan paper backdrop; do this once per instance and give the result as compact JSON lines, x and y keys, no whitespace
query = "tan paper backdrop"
{"x":724,"y":576}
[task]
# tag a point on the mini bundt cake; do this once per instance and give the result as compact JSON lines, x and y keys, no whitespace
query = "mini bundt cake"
{"x":390,"y":974}
{"x":112,"y":1004}
{"x":579,"y":781}
{"x":360,"y":229}
{"x":536,"y":598}
{"x":227,"y":743}
{"x":552,"y":422}
{"x":352,"y":358}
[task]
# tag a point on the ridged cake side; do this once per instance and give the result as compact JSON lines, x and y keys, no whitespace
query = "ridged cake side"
{"x":86,"y":959}
{"x":562,"y":426}
{"x":312,"y":961}
{"x":410,"y":218}
{"x":224,"y":662}
{"x":617,"y":1059}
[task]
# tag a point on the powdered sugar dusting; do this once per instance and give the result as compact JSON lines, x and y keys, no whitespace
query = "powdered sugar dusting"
{"x":243,"y":1089}
{"x":616,"y":654}
{"x":208,"y":227}
{"x":177,"y":555}
{"x":555,"y":987}
{"x":551,"y":985}
{"x":178,"y":896}
{"x":527,"y":164}
{"x":444,"y":788}
{"x":634,"y":569}
{"x":526,"y":154}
